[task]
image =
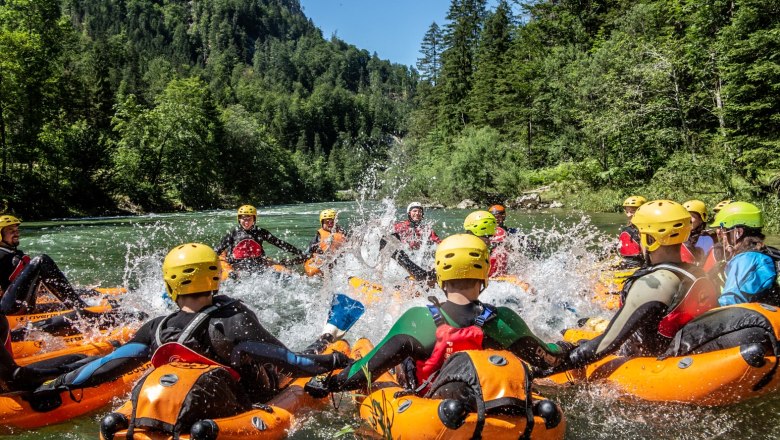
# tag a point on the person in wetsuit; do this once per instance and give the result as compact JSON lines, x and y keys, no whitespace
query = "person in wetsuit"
{"x":657,"y":300}
{"x":699,"y":243}
{"x":630,"y":249}
{"x":462,"y":267}
{"x":484,"y":225}
{"x":750,"y":272}
{"x":329,"y":235}
{"x":20,"y":276}
{"x":215,"y":326}
{"x":243,"y":245}
{"x":412,"y":231}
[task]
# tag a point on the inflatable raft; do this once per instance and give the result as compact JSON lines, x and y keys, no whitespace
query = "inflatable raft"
{"x":271,"y":420}
{"x":706,"y":364}
{"x":24,"y":349}
{"x":22,"y":410}
{"x":106,"y":304}
{"x":607,"y":290}
{"x":396,"y":413}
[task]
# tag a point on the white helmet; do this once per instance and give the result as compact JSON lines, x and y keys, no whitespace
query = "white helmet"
{"x":412,"y":206}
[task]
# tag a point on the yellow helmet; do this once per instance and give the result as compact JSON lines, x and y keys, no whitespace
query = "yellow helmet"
{"x":480,"y":223}
{"x":720,"y":205}
{"x":634,"y":201}
{"x":8,"y":220}
{"x":247,"y":210}
{"x":327,"y":214}
{"x":191,"y":268}
{"x":739,"y":214}
{"x":698,"y":207}
{"x":462,"y":256}
{"x":666,"y":221}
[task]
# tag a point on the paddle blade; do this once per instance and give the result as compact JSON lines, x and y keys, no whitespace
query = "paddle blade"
{"x":344,"y":312}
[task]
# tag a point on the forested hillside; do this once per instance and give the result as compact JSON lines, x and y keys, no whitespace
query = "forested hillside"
{"x":172,"y":104}
{"x":598,"y":99}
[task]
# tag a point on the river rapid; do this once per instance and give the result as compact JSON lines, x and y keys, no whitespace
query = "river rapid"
{"x":128,"y":251}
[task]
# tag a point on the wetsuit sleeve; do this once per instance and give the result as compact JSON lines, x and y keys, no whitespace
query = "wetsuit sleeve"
{"x":511,"y":332}
{"x":646,"y":302}
{"x":129,"y":356}
{"x":410,"y":266}
{"x":225,"y":244}
{"x":281,"y":244}
{"x":748,"y":277}
{"x":287,"y":363}
{"x":413,"y":335}
{"x":314,"y":244}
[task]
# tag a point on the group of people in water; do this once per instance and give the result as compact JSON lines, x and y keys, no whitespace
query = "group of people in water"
{"x":681,"y":264}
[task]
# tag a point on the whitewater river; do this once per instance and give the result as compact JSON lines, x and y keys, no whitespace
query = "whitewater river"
{"x":128,"y":251}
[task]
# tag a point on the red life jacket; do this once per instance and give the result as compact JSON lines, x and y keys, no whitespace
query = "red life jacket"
{"x":412,"y":235}
{"x":451,"y":340}
{"x":499,"y":236}
{"x":499,"y":259}
{"x":19,"y":267}
{"x":686,"y":255}
{"x":248,"y":248}
{"x":698,"y":295}
{"x":629,"y":245}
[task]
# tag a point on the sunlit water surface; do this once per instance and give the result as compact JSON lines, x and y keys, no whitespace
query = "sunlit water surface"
{"x":128,"y":251}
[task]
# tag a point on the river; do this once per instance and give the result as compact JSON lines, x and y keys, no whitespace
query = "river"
{"x":128,"y":251}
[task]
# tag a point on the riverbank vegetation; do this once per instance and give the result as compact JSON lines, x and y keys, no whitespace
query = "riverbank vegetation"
{"x":114,"y":105}
{"x":598,"y":100}
{"x":109,"y":105}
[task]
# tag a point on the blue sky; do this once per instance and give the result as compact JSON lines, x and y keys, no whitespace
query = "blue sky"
{"x":391,"y":28}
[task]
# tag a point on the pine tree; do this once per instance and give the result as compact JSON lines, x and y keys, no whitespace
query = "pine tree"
{"x":429,"y":65}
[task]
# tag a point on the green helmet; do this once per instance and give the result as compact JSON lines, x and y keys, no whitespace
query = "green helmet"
{"x":739,"y":214}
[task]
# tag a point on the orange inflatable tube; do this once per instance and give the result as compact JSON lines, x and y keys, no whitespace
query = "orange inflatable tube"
{"x":721,"y":377}
{"x":271,"y":422}
{"x":23,"y":349}
{"x":400,"y":416}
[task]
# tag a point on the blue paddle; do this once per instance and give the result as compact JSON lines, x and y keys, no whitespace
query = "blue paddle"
{"x":344,"y":313}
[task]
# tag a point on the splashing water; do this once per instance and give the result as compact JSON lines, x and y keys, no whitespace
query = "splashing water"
{"x":559,"y":256}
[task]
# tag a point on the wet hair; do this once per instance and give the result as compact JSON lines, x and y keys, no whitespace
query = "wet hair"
{"x":752,"y":240}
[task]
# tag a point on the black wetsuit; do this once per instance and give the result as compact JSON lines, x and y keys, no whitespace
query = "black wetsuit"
{"x":231,"y":335}
{"x":245,"y":250}
{"x":20,"y":294}
{"x":648,"y":296}
{"x":414,"y":335}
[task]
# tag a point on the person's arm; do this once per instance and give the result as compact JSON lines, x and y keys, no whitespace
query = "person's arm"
{"x":433,"y":238}
{"x":314,"y":245}
{"x":288,"y":363}
{"x":129,"y":356}
{"x":646,"y":302}
{"x":748,"y":275}
{"x":224,"y":244}
{"x":413,"y":335}
{"x":281,"y":244}
{"x":511,"y":332}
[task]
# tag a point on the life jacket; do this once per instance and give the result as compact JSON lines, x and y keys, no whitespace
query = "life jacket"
{"x":248,"y":248}
{"x":697,"y":295}
{"x":197,"y":325}
{"x":185,"y":386}
{"x":490,"y":382}
{"x":499,"y":236}
{"x":687,"y":255}
{"x":330,"y":240}
{"x":629,"y":242}
{"x":451,"y":339}
{"x":411,"y":234}
{"x":499,"y":259}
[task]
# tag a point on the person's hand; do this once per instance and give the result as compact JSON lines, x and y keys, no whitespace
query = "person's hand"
{"x":340,"y":360}
{"x":54,"y":386}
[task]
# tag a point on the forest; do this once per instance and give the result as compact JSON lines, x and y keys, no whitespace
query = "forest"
{"x":594,"y":100}
{"x":137,"y":105}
